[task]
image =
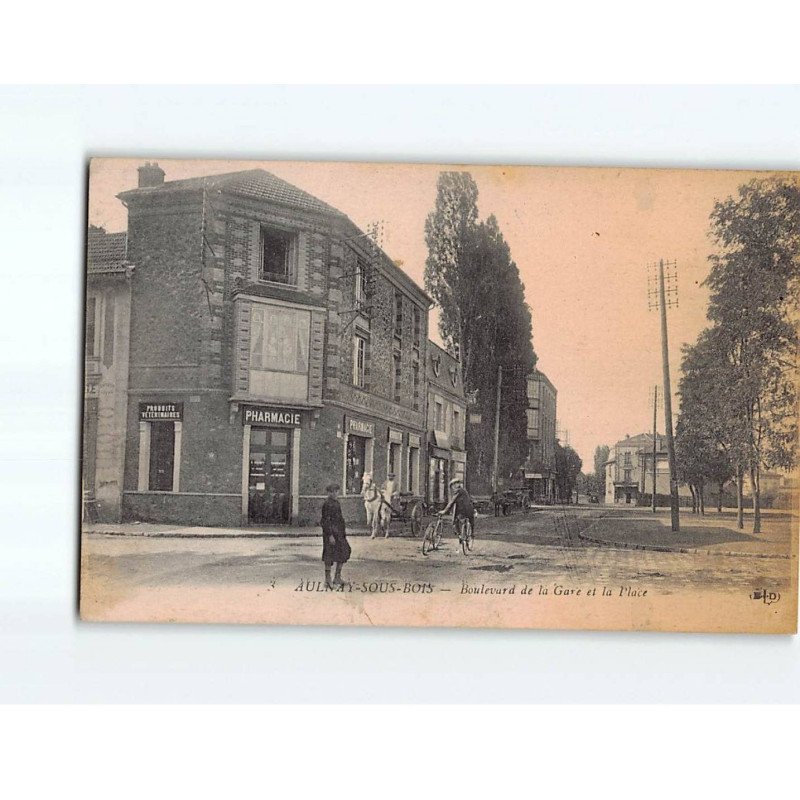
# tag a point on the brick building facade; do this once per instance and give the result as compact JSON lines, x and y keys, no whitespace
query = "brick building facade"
{"x":273,"y":349}
{"x":446,"y":420}
{"x":540,"y":467}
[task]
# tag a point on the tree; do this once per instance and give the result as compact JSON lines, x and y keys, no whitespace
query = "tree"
{"x":483,"y":319}
{"x":601,"y":455}
{"x":568,"y":467}
{"x":753,"y":305}
{"x":709,"y":444}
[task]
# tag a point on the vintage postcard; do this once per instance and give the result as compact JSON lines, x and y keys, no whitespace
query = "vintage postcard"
{"x":438,"y":395}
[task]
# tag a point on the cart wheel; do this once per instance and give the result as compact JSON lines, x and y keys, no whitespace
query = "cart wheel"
{"x":416,"y":519}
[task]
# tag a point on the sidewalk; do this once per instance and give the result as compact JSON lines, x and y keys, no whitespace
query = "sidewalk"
{"x":159,"y":530}
{"x":715,"y":534}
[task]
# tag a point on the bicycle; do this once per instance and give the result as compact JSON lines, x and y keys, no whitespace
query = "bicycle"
{"x":433,"y":535}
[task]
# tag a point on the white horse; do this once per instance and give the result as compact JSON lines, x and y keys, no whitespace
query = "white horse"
{"x":379,"y":512}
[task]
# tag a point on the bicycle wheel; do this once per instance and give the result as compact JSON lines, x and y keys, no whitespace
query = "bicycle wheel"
{"x":437,"y":536}
{"x":429,"y":539}
{"x":465,"y":536}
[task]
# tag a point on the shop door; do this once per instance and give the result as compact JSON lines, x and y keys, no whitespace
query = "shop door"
{"x":270,"y":470}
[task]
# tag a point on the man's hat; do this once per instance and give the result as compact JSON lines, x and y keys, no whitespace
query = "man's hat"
{"x":332,"y":487}
{"x":390,"y":475}
{"x":455,"y":481}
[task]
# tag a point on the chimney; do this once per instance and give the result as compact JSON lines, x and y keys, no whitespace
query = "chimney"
{"x":150,"y":175}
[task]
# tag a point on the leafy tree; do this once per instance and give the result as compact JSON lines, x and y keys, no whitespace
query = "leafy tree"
{"x":483,"y":318}
{"x":568,"y":468}
{"x":754,"y":281}
{"x":709,"y":442}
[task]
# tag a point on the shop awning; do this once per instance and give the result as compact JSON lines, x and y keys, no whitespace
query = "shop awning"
{"x":438,"y":452}
{"x":441,"y":439}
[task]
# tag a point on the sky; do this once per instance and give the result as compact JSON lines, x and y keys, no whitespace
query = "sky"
{"x":582,"y":239}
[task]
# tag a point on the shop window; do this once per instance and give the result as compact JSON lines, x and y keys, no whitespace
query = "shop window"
{"x":277,"y":248}
{"x":279,"y":352}
{"x":393,"y":465}
{"x":413,"y":469}
{"x":355,"y":463}
{"x":162,"y":456}
{"x":359,"y":361}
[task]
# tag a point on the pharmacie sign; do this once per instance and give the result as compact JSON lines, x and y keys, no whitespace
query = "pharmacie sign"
{"x":159,"y":412}
{"x":288,"y":417}
{"x":359,"y":427}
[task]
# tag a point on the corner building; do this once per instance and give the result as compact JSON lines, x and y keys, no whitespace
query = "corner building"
{"x":273,"y":349}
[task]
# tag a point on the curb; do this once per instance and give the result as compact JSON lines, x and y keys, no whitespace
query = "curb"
{"x":685,"y":550}
{"x":308,"y":533}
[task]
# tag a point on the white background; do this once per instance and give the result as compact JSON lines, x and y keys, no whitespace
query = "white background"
{"x":46,"y":137}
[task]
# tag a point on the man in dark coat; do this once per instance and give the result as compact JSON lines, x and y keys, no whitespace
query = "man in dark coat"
{"x":335,"y":547}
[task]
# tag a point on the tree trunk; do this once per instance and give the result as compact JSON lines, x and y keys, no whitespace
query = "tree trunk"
{"x":755,"y":480}
{"x":694,"y":498}
{"x":719,"y":497}
{"x":702,"y":498}
{"x":739,"y":498}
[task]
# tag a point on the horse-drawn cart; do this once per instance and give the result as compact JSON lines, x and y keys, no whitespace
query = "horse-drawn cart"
{"x":410,"y":510}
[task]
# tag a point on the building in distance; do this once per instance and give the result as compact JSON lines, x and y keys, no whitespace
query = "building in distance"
{"x":540,"y":468}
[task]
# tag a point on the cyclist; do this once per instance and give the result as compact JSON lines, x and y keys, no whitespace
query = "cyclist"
{"x":460,"y":505}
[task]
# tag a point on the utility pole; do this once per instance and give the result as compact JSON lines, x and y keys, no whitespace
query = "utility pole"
{"x":667,"y":293}
{"x":655,"y":441}
{"x":497,"y":427}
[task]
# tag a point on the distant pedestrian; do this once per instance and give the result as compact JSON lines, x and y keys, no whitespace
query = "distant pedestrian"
{"x":335,"y":547}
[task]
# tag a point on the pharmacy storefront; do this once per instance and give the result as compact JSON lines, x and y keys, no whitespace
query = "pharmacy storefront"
{"x":270,"y":464}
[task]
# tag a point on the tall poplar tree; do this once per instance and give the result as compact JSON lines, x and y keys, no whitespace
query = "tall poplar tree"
{"x":484,"y":319}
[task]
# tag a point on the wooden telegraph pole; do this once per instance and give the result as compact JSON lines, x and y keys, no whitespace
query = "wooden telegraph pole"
{"x":655,"y":444}
{"x":662,"y":302}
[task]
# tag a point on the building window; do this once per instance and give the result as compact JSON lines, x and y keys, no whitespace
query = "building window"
{"x":355,"y":463}
{"x":362,"y":285}
{"x":416,"y":386}
{"x":279,"y":352}
{"x":627,"y":476}
{"x":627,"y":459}
{"x":417,"y":327}
{"x":276,"y":256}
{"x":398,"y":314}
{"x":91,"y":327}
{"x":438,"y":419}
{"x":359,"y":361}
{"x":397,"y":377}
{"x":456,"y":426}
